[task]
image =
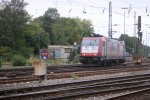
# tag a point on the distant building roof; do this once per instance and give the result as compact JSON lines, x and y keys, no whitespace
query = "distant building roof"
{"x":60,"y":46}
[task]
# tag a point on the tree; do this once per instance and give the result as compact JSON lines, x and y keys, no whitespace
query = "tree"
{"x":47,"y":21}
{"x":36,"y":38}
{"x":86,"y":27}
{"x":130,"y":42}
{"x":64,"y":31}
{"x":70,"y":30}
{"x":13,"y":20}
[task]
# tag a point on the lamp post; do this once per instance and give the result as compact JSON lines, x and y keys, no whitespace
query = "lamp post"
{"x":124,"y":21}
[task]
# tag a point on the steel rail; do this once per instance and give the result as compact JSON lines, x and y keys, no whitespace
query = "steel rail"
{"x":93,"y":82}
{"x":80,"y":74}
{"x":128,"y":94}
{"x":65,"y":92}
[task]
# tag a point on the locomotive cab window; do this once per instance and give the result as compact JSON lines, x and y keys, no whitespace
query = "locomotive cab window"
{"x":90,"y":42}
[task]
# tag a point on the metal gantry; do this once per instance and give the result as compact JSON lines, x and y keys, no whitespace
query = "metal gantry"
{"x":110,"y":21}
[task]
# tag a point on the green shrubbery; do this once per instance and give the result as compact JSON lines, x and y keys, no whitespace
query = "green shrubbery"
{"x":18,"y":60}
{"x":0,"y":63}
{"x":74,"y":57}
{"x":5,"y":53}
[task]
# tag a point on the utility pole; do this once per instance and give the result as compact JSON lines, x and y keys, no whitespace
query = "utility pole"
{"x":124,"y":21}
{"x":110,"y":21}
{"x":134,"y":35}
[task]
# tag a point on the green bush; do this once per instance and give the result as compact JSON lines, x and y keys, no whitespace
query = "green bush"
{"x":5,"y":53}
{"x":0,"y":63}
{"x":74,"y":57}
{"x":18,"y":60}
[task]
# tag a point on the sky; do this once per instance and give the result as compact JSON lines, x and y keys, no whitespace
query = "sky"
{"x":97,"y":12}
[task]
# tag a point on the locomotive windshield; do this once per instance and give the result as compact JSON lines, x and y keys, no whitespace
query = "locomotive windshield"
{"x":90,"y":43}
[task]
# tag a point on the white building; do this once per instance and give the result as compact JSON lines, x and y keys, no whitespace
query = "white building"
{"x":60,"y":52}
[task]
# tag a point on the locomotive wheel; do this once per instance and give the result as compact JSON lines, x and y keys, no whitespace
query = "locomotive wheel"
{"x":102,"y":63}
{"x":84,"y":62}
{"x":110,"y":63}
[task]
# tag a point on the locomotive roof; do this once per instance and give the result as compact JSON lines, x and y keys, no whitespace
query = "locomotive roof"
{"x":105,"y":38}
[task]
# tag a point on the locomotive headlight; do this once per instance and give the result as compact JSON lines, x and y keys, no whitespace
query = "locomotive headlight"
{"x":95,"y":54}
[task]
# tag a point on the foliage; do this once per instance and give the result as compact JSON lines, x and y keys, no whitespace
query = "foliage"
{"x":20,"y":35}
{"x":145,"y":51}
{"x":36,"y":37}
{"x":74,"y":76}
{"x":36,"y":60}
{"x":73,"y":57}
{"x":32,"y":59}
{"x":13,"y":20}
{"x":0,"y":63}
{"x":26,"y":51}
{"x":5,"y":53}
{"x":47,"y":21}
{"x":70,"y":30}
{"x":131,"y":44}
{"x":86,"y":27}
{"x":18,"y":60}
{"x":56,"y":61}
{"x":64,"y":31}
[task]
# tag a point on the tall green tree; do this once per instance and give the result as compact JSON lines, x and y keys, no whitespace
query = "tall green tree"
{"x":131,"y":45}
{"x":47,"y":21}
{"x":13,"y":20}
{"x":130,"y":42}
{"x":86,"y":27}
{"x":36,"y":37}
{"x":70,"y":30}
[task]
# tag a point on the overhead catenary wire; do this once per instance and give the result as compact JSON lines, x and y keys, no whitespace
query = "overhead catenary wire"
{"x":103,"y":9}
{"x":65,"y":3}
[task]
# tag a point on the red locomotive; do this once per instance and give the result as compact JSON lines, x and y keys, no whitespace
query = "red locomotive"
{"x":102,"y":50}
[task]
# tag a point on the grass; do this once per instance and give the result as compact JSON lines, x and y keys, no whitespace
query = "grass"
{"x":74,"y":76}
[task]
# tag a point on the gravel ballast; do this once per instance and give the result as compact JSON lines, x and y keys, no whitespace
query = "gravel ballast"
{"x":68,"y":80}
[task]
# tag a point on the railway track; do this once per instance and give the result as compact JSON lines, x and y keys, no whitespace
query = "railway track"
{"x":28,"y":71}
{"x":107,"y":70}
{"x":83,"y":89}
{"x":133,"y":95}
